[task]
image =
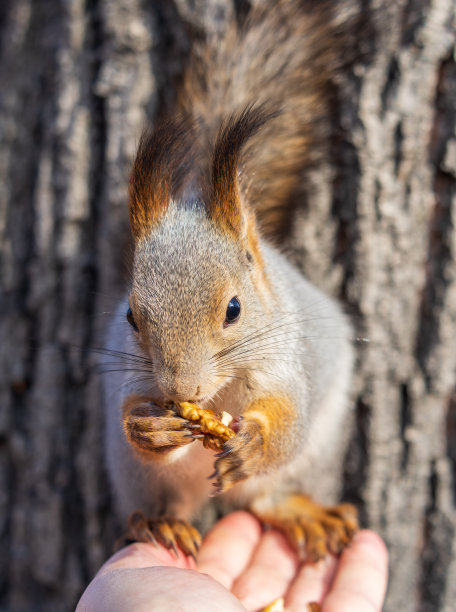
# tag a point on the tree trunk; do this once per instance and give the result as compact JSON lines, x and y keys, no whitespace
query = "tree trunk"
{"x":79,"y":80}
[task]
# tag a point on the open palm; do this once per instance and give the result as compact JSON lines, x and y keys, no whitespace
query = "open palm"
{"x":239,"y":568}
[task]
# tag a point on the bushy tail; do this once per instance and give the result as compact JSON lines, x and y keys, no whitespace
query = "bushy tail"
{"x":282,"y":58}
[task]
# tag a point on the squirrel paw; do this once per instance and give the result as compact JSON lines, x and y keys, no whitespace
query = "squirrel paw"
{"x":311,"y":529}
{"x":153,"y":428}
{"x":167,"y":531}
{"x":240,"y":457}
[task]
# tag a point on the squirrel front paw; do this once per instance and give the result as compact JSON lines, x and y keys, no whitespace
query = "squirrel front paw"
{"x":152,"y":428}
{"x":240,"y":457}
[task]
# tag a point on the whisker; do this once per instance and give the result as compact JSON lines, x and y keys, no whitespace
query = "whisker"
{"x":266,"y":333}
{"x":115,"y":363}
{"x":231,"y":376}
{"x":135,"y":381}
{"x":257,"y":347}
{"x":122,"y":370}
{"x":262,"y":370}
{"x":120,"y":355}
{"x":267,"y":359}
{"x":247,"y":338}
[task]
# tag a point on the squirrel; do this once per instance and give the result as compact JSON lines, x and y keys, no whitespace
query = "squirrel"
{"x":216,"y":314}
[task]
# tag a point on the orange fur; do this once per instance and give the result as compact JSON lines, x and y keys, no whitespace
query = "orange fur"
{"x":276,"y":417}
{"x":253,"y":247}
{"x":147,"y":210}
{"x":262,"y":444}
{"x":312,"y":529}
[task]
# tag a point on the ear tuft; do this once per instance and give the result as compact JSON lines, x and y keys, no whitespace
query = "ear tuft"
{"x":224,"y":205}
{"x":161,"y":168}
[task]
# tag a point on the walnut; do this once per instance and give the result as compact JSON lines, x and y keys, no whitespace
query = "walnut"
{"x":214,"y":429}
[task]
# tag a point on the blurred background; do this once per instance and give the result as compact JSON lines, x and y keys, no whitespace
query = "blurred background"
{"x":79,"y":79}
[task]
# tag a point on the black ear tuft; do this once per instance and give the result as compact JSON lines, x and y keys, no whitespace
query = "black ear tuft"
{"x":161,"y":168}
{"x":224,"y":204}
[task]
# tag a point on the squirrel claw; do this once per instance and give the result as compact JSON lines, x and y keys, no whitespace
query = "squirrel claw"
{"x":224,"y":453}
{"x":217,"y":491}
{"x":314,"y":531}
{"x":173,"y":534}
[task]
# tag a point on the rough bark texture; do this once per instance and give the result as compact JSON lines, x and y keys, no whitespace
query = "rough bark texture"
{"x":79,"y":80}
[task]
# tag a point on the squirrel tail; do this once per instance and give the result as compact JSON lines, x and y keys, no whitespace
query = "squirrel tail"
{"x":281,"y":57}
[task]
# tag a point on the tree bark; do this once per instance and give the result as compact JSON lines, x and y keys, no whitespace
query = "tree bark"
{"x":79,"y":81}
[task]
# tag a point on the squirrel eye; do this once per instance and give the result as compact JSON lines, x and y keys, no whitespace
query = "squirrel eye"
{"x":233,"y":311}
{"x":131,"y":320}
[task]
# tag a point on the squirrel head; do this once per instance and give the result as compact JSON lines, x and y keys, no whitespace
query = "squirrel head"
{"x":199,"y":284}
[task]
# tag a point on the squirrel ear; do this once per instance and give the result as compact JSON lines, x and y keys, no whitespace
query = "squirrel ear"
{"x":161,"y":166}
{"x":224,"y":204}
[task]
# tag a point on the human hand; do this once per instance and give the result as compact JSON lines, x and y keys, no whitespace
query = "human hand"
{"x":239,"y":568}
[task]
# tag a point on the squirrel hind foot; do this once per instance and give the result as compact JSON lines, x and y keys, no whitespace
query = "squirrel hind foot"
{"x":312,"y":530}
{"x":171,"y":533}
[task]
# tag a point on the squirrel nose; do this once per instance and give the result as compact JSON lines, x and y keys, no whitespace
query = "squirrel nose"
{"x":178,"y":390}
{"x":180,"y":396}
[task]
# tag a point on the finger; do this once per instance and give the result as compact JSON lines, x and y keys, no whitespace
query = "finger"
{"x":228,"y":547}
{"x":269,"y":572}
{"x":142,"y":554}
{"x":311,"y":584}
{"x":360,"y":582}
